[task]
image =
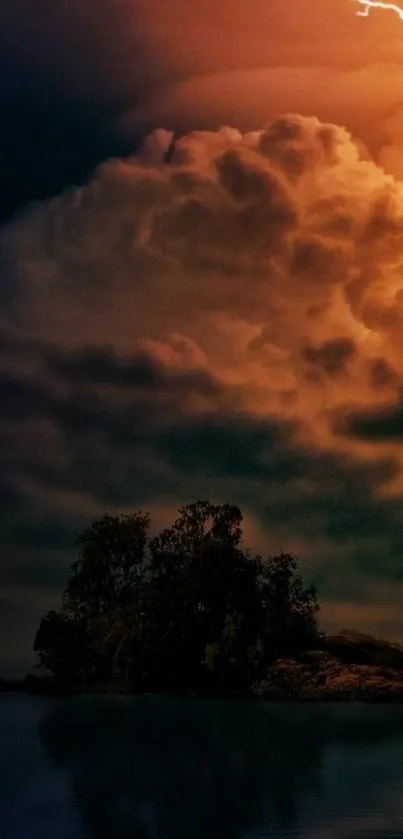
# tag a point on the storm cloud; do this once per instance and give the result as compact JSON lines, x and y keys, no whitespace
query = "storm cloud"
{"x":218,"y":316}
{"x":81,"y":82}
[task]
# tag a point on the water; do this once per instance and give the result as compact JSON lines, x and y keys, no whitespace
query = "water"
{"x":150,"y":768}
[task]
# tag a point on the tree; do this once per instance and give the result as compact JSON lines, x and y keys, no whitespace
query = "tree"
{"x":80,"y":642}
{"x":288,"y":610}
{"x":62,"y":647}
{"x":188,"y":608}
{"x":111,"y":554}
{"x":204,"y":581}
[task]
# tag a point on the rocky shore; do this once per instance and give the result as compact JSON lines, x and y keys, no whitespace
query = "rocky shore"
{"x":349,"y":666}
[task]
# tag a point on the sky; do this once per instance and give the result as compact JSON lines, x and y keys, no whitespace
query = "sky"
{"x":201,"y":287}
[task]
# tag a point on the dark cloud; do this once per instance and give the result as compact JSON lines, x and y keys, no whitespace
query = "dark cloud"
{"x":379,"y":425}
{"x":381,"y":373}
{"x":339,"y":497}
{"x":331,"y":356}
{"x":236,"y":447}
{"x":67,"y":69}
{"x":23,"y":397}
{"x":98,"y":367}
{"x":123,"y":452}
{"x":42,"y":535}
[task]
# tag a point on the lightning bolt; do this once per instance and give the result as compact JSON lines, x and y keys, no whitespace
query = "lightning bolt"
{"x":377,"y":4}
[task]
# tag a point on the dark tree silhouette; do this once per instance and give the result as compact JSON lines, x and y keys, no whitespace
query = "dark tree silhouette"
{"x":188,"y":609}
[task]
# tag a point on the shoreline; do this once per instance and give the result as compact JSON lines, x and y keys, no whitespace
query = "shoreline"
{"x":381,"y":699}
{"x":366,"y":692}
{"x":348,"y":667}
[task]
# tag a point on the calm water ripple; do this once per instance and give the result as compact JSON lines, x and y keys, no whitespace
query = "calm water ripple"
{"x":151,"y":768}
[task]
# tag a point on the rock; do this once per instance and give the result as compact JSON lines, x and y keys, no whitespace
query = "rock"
{"x":324,"y":678}
{"x":359,"y":648}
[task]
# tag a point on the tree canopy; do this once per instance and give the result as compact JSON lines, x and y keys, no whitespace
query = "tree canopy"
{"x":187,"y":609}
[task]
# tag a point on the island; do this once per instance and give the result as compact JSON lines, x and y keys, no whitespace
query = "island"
{"x":190,"y":611}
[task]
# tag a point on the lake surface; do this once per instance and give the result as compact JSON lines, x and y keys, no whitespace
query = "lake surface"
{"x":150,"y":768}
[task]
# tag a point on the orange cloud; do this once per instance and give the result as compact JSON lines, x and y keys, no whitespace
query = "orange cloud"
{"x":282,"y":245}
{"x":251,"y":62}
{"x":218,"y":305}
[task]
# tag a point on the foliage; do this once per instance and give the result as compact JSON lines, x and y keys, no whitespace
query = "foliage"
{"x":187,"y":609}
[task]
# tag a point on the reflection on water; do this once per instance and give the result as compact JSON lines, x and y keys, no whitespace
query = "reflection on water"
{"x":150,"y":768}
